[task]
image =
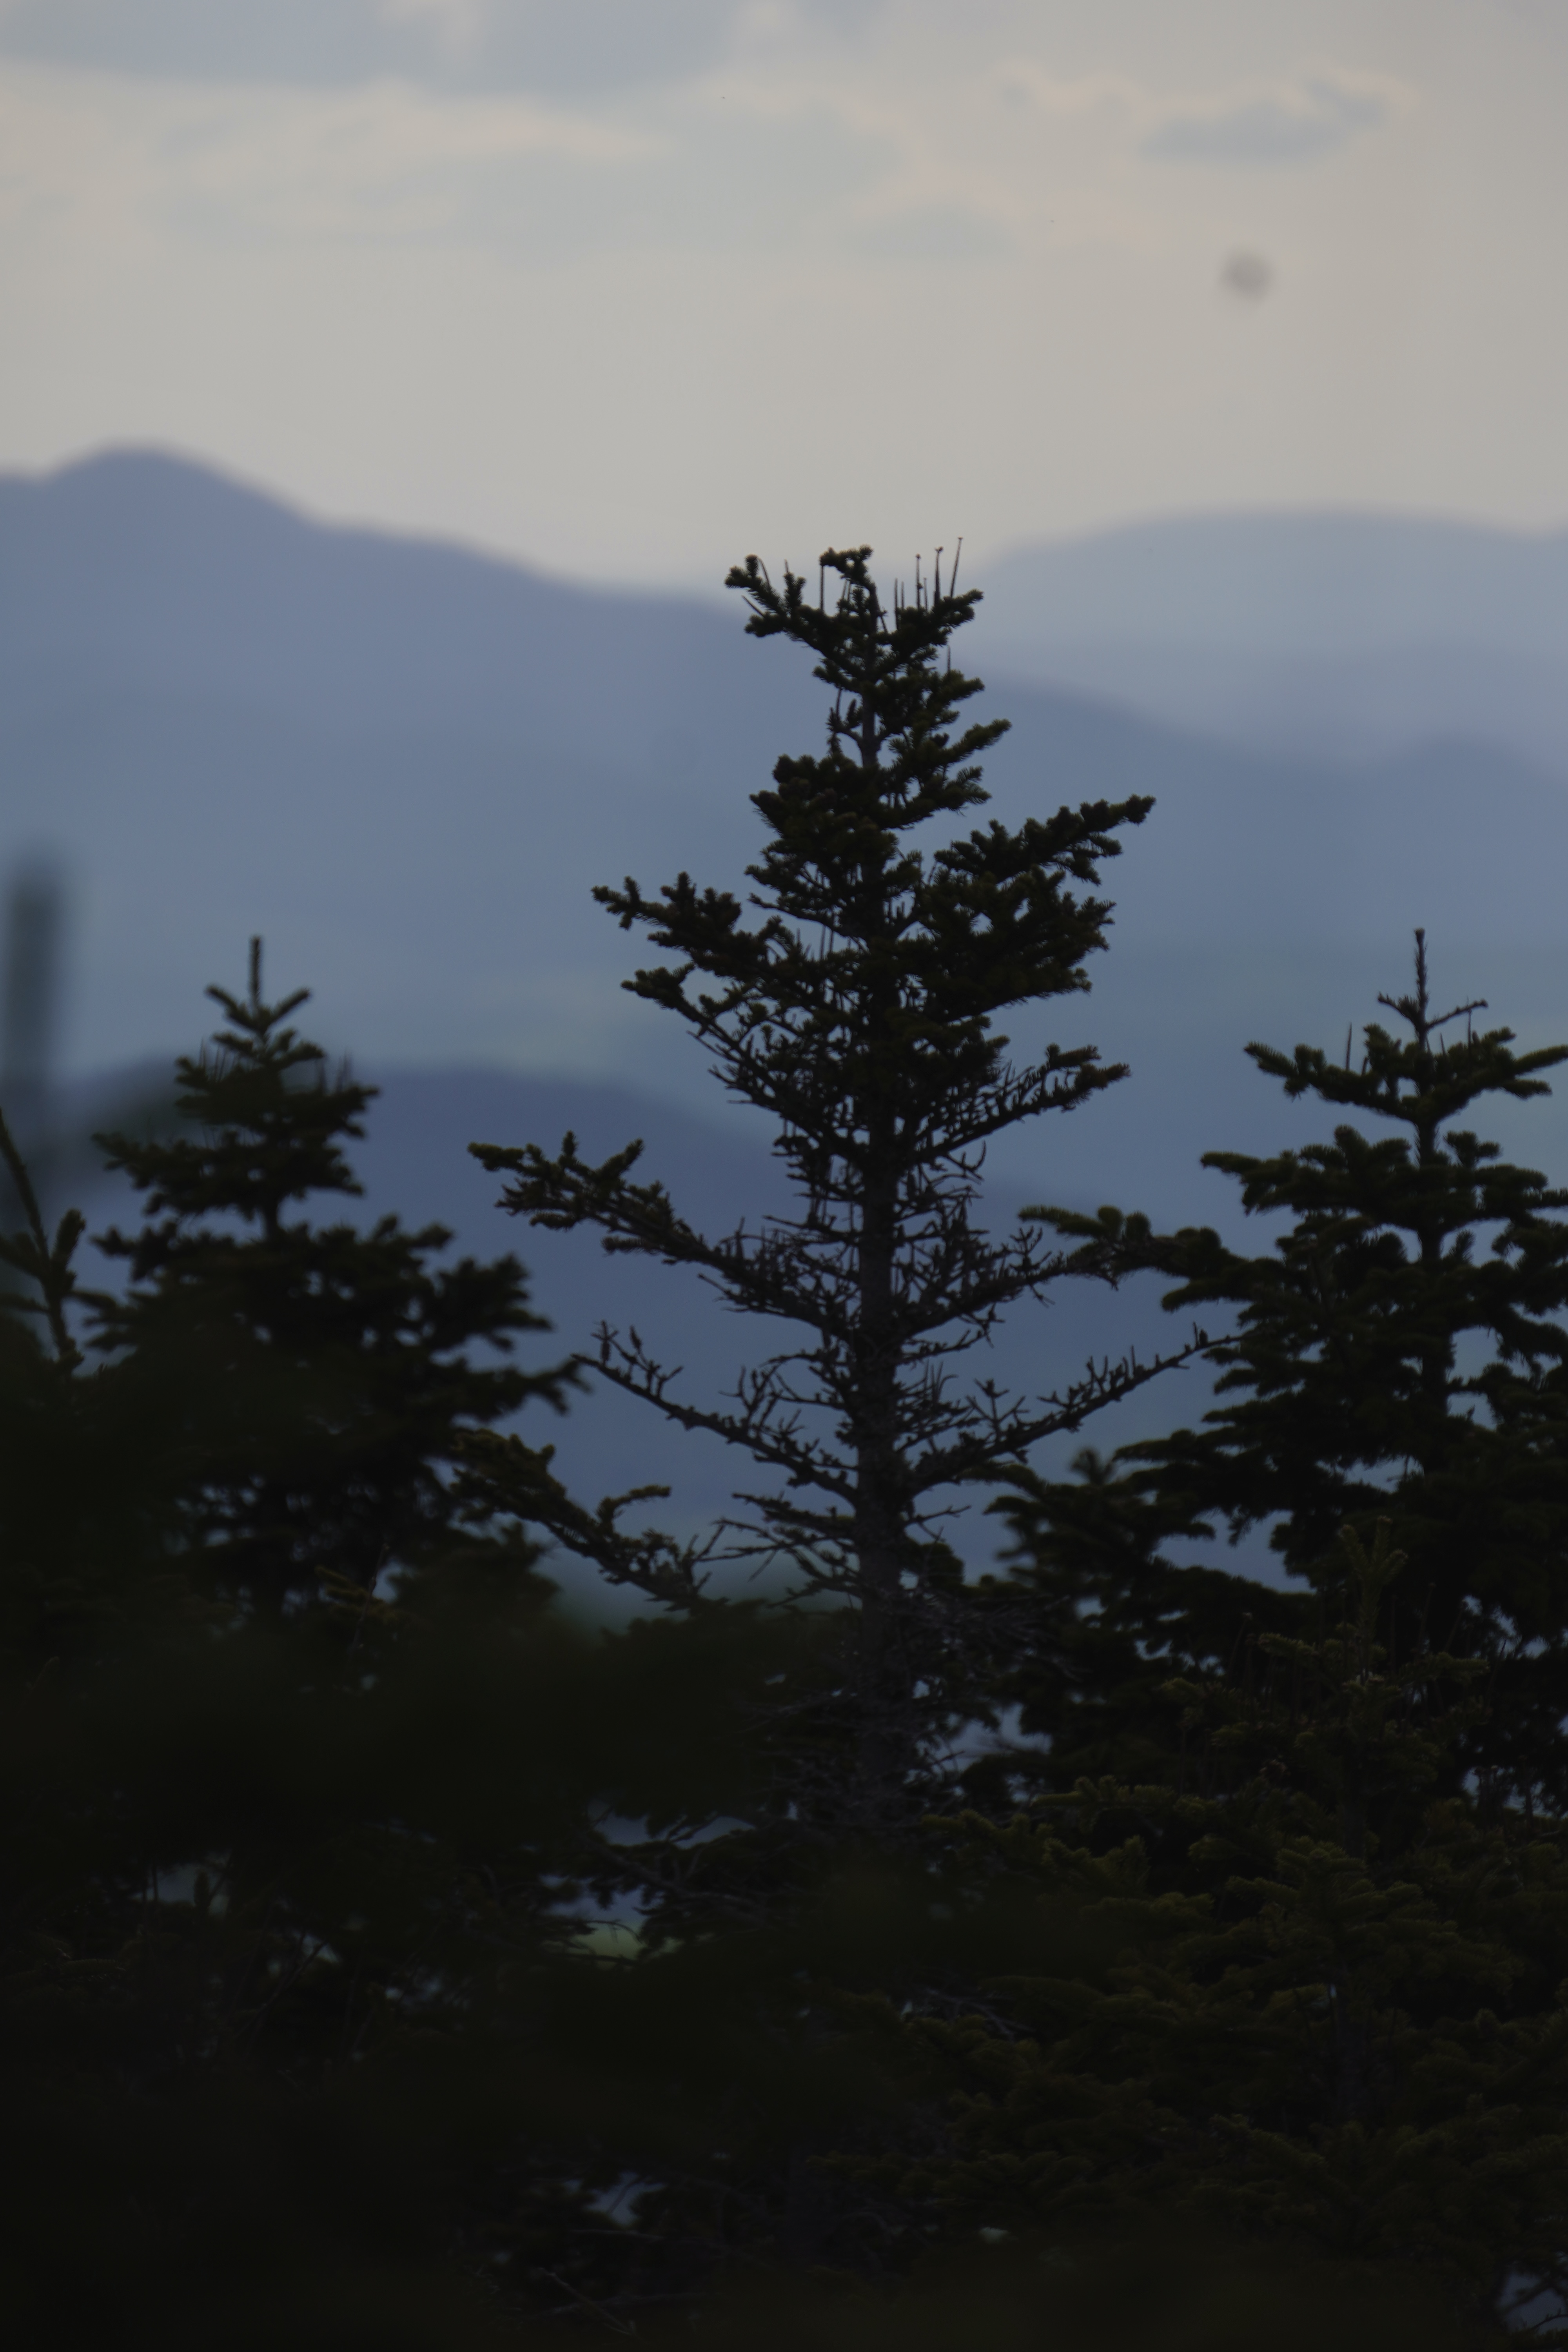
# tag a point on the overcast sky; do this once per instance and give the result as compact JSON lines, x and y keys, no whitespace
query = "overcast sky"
{"x":632,"y":287}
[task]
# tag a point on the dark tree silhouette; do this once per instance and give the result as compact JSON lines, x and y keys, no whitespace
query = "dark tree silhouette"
{"x":1401,"y":1351}
{"x":320,"y":1379}
{"x":855,"y":1006}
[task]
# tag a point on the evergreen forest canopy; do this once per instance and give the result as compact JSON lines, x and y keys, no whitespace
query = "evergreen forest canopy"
{"x":1107,"y":1950}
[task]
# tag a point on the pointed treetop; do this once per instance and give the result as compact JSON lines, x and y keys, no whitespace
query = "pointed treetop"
{"x":266,"y":1134}
{"x":1422,"y":1080}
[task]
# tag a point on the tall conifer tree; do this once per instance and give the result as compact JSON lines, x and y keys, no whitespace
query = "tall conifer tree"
{"x":856,"y":1007}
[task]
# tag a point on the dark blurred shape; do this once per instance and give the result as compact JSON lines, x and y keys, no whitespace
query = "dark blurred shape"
{"x":34,"y":918}
{"x":34,"y":908}
{"x":1247,"y":276}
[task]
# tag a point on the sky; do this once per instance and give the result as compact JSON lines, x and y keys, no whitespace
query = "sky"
{"x":630,"y":288}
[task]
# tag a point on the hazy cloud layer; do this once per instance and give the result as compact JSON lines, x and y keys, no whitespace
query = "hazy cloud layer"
{"x":1318,"y":117}
{"x":623,"y":284}
{"x":560,"y":45}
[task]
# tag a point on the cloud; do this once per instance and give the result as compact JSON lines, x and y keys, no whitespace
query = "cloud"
{"x":1314,"y":117}
{"x":388,"y":162}
{"x":393,"y":166}
{"x":554,"y":47}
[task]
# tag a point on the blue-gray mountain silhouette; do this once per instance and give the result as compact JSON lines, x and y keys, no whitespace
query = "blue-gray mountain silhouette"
{"x":405,"y":765}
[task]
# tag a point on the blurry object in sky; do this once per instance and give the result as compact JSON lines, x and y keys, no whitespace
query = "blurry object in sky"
{"x":28,"y":1018}
{"x":1248,"y":277}
{"x":29,"y":1011}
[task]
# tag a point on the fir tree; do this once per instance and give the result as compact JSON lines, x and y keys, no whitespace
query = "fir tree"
{"x":1401,"y":1351}
{"x":320,"y":1379}
{"x":858,"y":1010}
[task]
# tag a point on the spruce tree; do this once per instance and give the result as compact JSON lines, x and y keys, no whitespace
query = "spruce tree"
{"x":1401,"y":1352}
{"x":853,"y":999}
{"x":320,"y":1379}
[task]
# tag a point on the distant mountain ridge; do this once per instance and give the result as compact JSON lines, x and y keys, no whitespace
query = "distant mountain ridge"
{"x":407,"y":765}
{"x":1353,"y":635}
{"x":137,"y":569}
{"x":1311,"y":583}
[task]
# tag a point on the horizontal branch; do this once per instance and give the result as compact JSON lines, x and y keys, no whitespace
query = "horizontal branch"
{"x":987,"y":1431}
{"x":497,"y":1473}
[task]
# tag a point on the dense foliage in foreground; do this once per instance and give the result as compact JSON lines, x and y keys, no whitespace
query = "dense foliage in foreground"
{"x":393,"y":1959}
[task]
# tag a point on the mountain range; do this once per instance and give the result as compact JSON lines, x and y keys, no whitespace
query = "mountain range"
{"x":1352,"y":636}
{"x":405,"y":765}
